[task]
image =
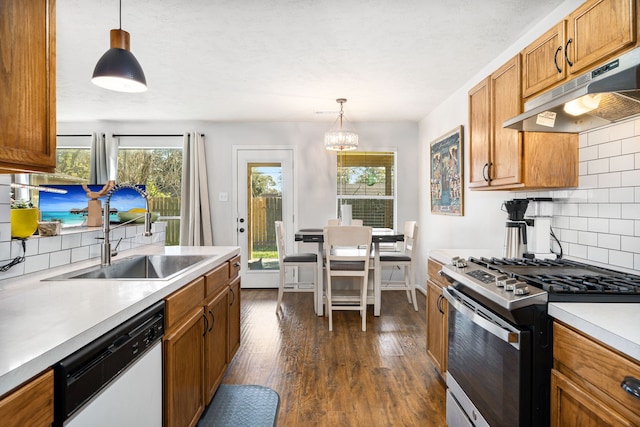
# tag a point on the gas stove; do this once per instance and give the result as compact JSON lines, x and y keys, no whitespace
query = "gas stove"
{"x":514,"y":283}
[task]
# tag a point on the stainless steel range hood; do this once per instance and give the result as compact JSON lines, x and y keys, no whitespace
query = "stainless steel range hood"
{"x":613,"y":88}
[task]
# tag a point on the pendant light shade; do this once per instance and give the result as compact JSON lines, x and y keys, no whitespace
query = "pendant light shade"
{"x":340,"y":140}
{"x":118,"y":69}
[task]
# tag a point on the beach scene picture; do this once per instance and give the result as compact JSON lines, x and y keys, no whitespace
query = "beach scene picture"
{"x":71,"y":208}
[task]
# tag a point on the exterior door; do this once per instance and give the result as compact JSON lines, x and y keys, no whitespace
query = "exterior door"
{"x":264,"y":194}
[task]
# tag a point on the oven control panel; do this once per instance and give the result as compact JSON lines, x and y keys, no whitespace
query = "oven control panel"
{"x":506,"y":291}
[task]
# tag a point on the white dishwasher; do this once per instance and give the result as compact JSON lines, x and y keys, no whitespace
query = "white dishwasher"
{"x":115,"y":380}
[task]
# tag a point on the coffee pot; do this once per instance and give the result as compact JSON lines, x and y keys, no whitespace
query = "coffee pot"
{"x":515,"y":238}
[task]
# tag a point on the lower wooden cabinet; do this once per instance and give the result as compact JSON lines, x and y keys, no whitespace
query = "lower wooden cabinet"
{"x":234,"y":318}
{"x":202,"y":335}
{"x":437,"y":318}
{"x":31,"y":404}
{"x":183,"y":344}
{"x":183,"y":364}
{"x":215,"y":339}
{"x":585,"y":383}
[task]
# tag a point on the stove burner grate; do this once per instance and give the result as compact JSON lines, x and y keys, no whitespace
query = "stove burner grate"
{"x":564,"y":276}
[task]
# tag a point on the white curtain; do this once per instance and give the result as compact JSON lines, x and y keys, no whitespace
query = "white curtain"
{"x":104,"y":158}
{"x":195,"y":216}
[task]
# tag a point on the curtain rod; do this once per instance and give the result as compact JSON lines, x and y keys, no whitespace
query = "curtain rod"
{"x":133,"y":135}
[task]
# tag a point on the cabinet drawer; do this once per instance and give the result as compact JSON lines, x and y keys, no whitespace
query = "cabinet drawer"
{"x":434,"y":268}
{"x":216,"y":279}
{"x":31,"y":404}
{"x":179,"y":303}
{"x":234,"y":267}
{"x":596,"y":368}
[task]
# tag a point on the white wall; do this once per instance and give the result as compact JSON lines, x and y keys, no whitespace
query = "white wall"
{"x":315,"y":167}
{"x":482,"y":225}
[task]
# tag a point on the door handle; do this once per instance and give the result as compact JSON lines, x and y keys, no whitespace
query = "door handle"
{"x":632,"y":386}
{"x":566,"y":52}
{"x":206,"y":324}
{"x":555,"y":59}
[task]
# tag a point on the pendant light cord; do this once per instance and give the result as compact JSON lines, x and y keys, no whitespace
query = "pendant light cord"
{"x":120,"y":16}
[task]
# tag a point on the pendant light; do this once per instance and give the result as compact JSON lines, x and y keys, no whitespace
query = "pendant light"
{"x":118,"y":69}
{"x":340,"y":140}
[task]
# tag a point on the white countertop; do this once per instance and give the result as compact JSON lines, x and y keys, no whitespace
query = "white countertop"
{"x":615,"y":324}
{"x":41,"y":322}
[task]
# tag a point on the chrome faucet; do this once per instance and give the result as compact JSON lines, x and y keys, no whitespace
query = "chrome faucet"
{"x":105,"y":252}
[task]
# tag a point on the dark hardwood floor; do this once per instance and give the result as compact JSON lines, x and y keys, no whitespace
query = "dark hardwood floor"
{"x":381,"y":377}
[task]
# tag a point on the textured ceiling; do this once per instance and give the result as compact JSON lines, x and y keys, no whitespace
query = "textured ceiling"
{"x":283,"y":60}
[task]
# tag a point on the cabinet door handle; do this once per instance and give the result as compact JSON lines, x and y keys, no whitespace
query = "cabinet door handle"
{"x":206,"y":324}
{"x":555,"y":59}
{"x":233,"y":297}
{"x":566,"y":52}
{"x":439,"y":303}
{"x":487,"y":168}
{"x":213,"y":320}
{"x":632,"y":386}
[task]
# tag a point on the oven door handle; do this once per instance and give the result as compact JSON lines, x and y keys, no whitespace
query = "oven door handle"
{"x":505,"y":335}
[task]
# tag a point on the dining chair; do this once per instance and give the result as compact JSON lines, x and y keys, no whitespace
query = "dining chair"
{"x":285,"y":260}
{"x":405,"y":260}
{"x":346,"y":258}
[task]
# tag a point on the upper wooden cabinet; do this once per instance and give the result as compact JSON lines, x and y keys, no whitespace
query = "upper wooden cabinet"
{"x":543,"y":62}
{"x":493,"y":150}
{"x":28,"y":86}
{"x":505,"y":159}
{"x":592,"y":34}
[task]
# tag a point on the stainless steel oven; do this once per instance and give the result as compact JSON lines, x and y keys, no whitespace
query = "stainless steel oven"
{"x":488,"y":363}
{"x":500,"y":344}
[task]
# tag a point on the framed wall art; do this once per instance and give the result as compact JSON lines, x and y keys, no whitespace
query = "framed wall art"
{"x":446,"y":174}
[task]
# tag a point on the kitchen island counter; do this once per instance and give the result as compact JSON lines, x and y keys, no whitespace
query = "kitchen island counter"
{"x":41,"y":322}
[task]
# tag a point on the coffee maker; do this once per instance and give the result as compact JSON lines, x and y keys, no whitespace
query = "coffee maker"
{"x":515,"y":237}
{"x":538,"y":217}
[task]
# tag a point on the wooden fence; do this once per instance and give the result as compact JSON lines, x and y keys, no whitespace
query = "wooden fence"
{"x":169,"y":207}
{"x":265,"y":210}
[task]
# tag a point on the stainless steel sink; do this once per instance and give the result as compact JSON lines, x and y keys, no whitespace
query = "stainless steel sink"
{"x":147,"y":267}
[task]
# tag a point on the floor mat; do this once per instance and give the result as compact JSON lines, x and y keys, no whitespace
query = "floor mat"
{"x":242,"y":405}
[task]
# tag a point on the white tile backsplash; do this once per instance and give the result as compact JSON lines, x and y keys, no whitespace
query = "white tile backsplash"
{"x":72,"y":246}
{"x":630,"y":178}
{"x":600,"y":220}
{"x":608,"y":149}
{"x":608,"y":180}
{"x":609,"y":210}
{"x":621,"y":195}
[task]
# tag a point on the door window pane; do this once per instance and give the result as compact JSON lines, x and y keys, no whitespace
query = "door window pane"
{"x":264,"y":208}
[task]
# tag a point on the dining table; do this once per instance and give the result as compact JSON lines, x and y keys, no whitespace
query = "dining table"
{"x":378,"y":236}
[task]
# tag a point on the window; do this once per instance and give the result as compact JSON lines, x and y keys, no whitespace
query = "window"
{"x":155,"y":162}
{"x":366,"y":181}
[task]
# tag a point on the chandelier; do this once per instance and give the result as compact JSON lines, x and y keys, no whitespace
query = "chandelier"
{"x":340,"y":140}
